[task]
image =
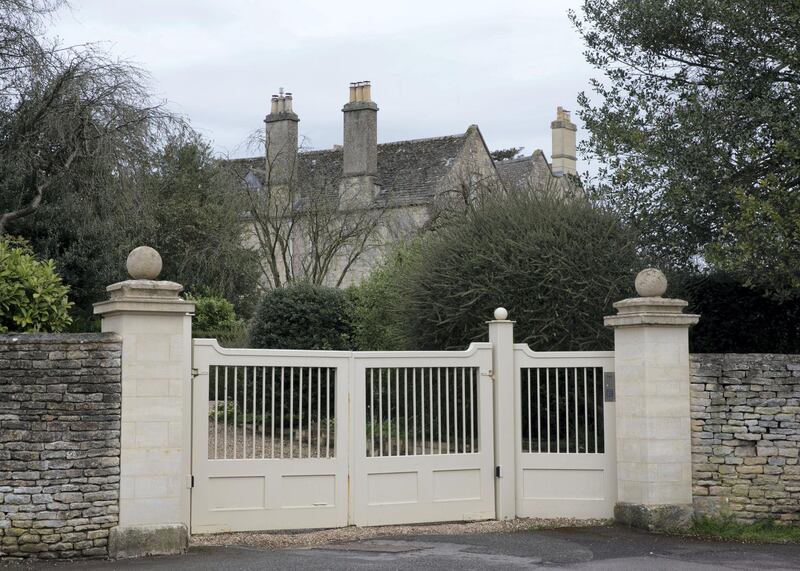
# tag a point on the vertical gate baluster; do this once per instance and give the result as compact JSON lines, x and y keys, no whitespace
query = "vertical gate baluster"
{"x":225,"y":419}
{"x":216,"y":413}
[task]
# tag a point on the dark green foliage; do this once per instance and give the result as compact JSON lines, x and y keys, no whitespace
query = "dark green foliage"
{"x":215,"y":317}
{"x":176,"y":199}
{"x":556,"y":264}
{"x":91,"y":167}
{"x":196,"y":223}
{"x":373,"y":300}
{"x":303,"y":316}
{"x":735,"y":318}
{"x":32,"y":297}
{"x":696,"y":126}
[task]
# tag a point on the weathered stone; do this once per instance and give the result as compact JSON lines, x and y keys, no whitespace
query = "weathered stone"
{"x":654,"y":517}
{"x":57,"y":428}
{"x":746,"y":407}
{"x":124,"y":542}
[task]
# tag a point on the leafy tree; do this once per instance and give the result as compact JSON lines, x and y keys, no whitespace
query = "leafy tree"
{"x":196,"y":220}
{"x":696,"y":125}
{"x":32,"y":297}
{"x":303,"y":316}
{"x":556,"y":263}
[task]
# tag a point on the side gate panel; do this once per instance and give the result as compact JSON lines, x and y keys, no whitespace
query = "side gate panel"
{"x":269,"y":439}
{"x":422,"y":437}
{"x":566,"y":439}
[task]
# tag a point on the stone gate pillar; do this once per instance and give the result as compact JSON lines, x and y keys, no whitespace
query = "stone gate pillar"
{"x":155,"y":462}
{"x":501,"y":335}
{"x":651,"y":354}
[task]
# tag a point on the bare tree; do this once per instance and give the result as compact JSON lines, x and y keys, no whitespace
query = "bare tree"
{"x":307,"y":224}
{"x":62,"y":107}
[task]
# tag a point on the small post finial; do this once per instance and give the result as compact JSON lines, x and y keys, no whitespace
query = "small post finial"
{"x":501,"y":314}
{"x":651,"y":282}
{"x":144,"y":263}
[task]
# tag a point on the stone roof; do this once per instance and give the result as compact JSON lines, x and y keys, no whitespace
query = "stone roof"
{"x":517,"y":172}
{"x":408,"y":171}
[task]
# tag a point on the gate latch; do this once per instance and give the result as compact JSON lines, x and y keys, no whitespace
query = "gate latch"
{"x":609,"y":387}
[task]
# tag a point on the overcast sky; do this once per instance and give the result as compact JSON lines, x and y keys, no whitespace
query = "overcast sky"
{"x":436,"y":66}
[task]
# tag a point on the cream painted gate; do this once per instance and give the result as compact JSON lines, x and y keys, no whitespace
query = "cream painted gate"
{"x":423,"y":442}
{"x":270,"y":439}
{"x":566,"y":458}
{"x":314,"y":439}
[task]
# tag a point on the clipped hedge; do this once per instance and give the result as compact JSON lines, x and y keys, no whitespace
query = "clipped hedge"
{"x":215,"y":317}
{"x":556,"y":263}
{"x":303,"y":316}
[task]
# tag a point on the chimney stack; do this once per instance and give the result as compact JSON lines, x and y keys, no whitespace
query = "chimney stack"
{"x":281,"y":141}
{"x":360,"y":132}
{"x":563,"y":155}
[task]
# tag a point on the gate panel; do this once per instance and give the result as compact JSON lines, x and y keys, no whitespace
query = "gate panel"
{"x":422,"y":437}
{"x":566,"y":460}
{"x":267,"y":450}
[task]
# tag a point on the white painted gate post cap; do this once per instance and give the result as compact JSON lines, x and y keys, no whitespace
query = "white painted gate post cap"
{"x":144,"y":263}
{"x":501,"y":314}
{"x":651,"y":282}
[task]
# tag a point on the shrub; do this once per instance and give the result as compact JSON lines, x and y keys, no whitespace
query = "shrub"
{"x":215,"y":317}
{"x":373,"y":327}
{"x":557,"y":264}
{"x":303,"y":316}
{"x":32,"y":297}
{"x":735,"y":318}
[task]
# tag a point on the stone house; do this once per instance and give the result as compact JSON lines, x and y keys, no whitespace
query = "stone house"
{"x":388,"y":190}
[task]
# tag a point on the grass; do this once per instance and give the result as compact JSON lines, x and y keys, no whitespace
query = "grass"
{"x":727,"y":528}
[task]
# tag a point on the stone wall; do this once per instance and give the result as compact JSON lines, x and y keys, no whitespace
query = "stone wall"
{"x":59,"y":444}
{"x":746,"y":436}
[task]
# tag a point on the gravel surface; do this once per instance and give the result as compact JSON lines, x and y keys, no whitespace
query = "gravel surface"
{"x":315,"y":538}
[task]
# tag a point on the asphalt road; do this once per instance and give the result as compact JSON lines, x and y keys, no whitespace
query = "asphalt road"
{"x":581,"y":548}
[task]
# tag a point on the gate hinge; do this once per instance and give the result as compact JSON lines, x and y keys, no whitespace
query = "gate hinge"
{"x":497,"y":471}
{"x":190,"y":481}
{"x":195,"y":372}
{"x":489,"y":373}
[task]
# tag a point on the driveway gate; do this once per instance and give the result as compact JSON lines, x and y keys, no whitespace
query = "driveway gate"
{"x":423,"y":437}
{"x":311,"y":439}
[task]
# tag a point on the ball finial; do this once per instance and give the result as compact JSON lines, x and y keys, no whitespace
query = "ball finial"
{"x":144,"y":263}
{"x":651,"y":282}
{"x":501,"y":314}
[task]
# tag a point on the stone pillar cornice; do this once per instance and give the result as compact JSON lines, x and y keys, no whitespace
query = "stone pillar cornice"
{"x":641,"y":311}
{"x":144,"y":296}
